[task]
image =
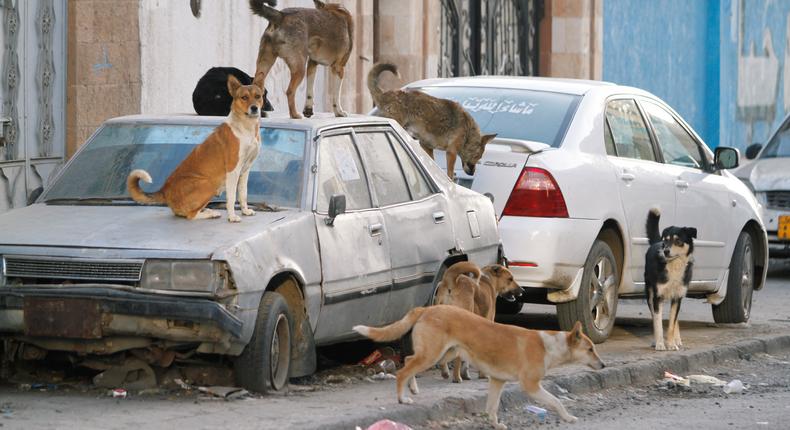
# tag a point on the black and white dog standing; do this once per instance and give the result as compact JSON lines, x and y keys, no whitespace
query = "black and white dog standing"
{"x":668,"y":266}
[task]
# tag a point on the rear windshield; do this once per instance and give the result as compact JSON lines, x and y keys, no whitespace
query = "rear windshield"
{"x":539,"y":116}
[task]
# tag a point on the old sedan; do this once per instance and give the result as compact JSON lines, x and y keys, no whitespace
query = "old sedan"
{"x":354,"y":226}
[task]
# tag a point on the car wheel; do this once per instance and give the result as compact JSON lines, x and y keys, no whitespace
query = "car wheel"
{"x":504,"y":307}
{"x":596,"y":305}
{"x":737,"y":304}
{"x":264,"y":364}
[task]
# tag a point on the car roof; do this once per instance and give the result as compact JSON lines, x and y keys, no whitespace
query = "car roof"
{"x":558,"y":85}
{"x":317,"y":121}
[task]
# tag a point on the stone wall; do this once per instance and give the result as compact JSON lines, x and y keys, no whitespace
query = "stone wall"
{"x":571,"y":42}
{"x":103,"y":76}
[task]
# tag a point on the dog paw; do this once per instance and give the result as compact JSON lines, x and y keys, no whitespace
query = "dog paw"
{"x":296,"y":115}
{"x":234,"y":218}
{"x":500,"y":426}
{"x":570,"y":419}
{"x":466,"y":376}
{"x":445,"y":374}
{"x":672,"y":347}
{"x":247,"y":212}
{"x":340,"y":113}
{"x":457,"y":380}
{"x":414,"y":389}
{"x":405,"y":400}
{"x":660,"y":347}
{"x":308,"y":112}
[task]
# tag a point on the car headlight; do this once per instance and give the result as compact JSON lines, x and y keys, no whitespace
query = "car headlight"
{"x":203,"y":276}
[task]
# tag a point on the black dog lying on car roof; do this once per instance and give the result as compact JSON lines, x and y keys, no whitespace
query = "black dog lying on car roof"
{"x":211,"y":95}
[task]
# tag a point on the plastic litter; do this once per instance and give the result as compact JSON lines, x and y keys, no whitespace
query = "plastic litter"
{"x":382,"y":376}
{"x":677,"y":379}
{"x":734,"y":387}
{"x":705,"y":379}
{"x":386,"y":425}
{"x":388,"y":366}
{"x":537,"y":411}
{"x":118,"y":393}
{"x":224,"y":392}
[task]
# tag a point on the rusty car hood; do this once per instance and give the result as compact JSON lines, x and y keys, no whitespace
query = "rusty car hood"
{"x":126,"y":230}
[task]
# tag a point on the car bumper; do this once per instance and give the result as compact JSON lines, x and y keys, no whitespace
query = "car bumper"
{"x":547,"y":252}
{"x":93,"y":314}
{"x":777,"y":248}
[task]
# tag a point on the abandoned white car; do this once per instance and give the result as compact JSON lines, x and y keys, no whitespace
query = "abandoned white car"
{"x":573,"y":172}
{"x":353,"y":226}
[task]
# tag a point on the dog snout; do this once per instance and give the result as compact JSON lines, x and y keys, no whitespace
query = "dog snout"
{"x":666,"y":252}
{"x":254,"y":109}
{"x":469,"y":168}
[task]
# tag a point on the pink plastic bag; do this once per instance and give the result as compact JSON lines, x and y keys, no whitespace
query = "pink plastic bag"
{"x":388,"y":425}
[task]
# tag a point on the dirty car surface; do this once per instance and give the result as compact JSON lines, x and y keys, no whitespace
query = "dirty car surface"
{"x":87,"y":270}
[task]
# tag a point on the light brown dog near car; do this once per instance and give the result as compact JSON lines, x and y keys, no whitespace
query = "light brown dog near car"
{"x":222,"y":161}
{"x":305,"y":38}
{"x":504,"y":352}
{"x":436,"y":123}
{"x":466,"y":286}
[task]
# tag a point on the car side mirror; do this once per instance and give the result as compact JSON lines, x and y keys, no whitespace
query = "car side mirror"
{"x":726,"y":158}
{"x":753,"y":150}
{"x":337,"y":206}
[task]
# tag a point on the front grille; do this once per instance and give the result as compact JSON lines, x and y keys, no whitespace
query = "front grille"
{"x":778,"y":199}
{"x":72,"y":268}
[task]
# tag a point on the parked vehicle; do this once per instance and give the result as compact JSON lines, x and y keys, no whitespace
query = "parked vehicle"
{"x":768,"y":176}
{"x":574,"y":171}
{"x":354,"y":226}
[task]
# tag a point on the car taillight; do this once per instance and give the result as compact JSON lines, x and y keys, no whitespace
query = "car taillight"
{"x":536,"y":194}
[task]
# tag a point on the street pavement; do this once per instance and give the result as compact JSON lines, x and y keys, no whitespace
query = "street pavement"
{"x":353,"y":399}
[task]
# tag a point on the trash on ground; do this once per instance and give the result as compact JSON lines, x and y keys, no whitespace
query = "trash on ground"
{"x":337,"y":379}
{"x":537,"y":411}
{"x":678,"y":380}
{"x":182,"y":384}
{"x":386,"y":425}
{"x":118,"y":393}
{"x":705,"y":379}
{"x":734,"y":387}
{"x":388,"y":366}
{"x":381,"y":376}
{"x":132,"y":374}
{"x":224,"y":392}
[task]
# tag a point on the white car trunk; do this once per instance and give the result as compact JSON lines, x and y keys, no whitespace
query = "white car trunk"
{"x":499,"y":169}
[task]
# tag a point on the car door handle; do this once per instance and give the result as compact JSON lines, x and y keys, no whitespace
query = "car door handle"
{"x":438,"y":217}
{"x":681,"y":184}
{"x":627,"y":177}
{"x":375,"y":229}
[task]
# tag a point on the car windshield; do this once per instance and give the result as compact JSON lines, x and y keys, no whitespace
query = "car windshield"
{"x":99,"y":171}
{"x":779,"y":146}
{"x":539,"y":116}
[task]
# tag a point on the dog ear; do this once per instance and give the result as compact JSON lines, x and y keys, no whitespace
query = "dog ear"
{"x":233,"y":85}
{"x":691,"y":232}
{"x":319,"y":4}
{"x":577,"y":331}
{"x":258,"y":82}
{"x":496,"y":269}
{"x":487,"y":138}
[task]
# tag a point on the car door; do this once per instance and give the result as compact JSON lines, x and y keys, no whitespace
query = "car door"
{"x":415,"y":216}
{"x":643,"y":181}
{"x":355,"y":261}
{"x":698,"y":193}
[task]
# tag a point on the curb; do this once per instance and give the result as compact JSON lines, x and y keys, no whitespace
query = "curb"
{"x":641,"y":372}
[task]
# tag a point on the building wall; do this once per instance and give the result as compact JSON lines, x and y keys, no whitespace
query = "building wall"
{"x":570,"y":39}
{"x":103,"y":62}
{"x":721,"y":64}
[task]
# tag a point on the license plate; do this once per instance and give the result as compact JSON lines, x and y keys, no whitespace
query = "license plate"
{"x":65,"y":318}
{"x":784,"y":227}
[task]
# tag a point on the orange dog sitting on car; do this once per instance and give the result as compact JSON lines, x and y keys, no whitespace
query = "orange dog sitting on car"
{"x":221,"y":162}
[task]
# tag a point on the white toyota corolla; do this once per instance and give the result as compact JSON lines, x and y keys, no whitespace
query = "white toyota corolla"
{"x":574,"y":171}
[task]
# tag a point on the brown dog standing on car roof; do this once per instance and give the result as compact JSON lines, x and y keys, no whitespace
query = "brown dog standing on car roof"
{"x":222,"y":161}
{"x":436,"y":123}
{"x":305,"y":38}
{"x":468,"y":287}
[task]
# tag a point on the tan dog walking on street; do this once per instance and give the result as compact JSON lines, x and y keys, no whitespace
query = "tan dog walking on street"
{"x":504,"y":352}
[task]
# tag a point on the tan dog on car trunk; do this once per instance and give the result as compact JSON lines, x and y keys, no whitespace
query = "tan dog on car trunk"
{"x":466,"y":286}
{"x":436,"y":123}
{"x":222,"y":161}
{"x":304,"y":36}
{"x":504,"y":352}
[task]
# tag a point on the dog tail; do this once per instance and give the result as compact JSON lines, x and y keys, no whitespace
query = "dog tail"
{"x":373,"y":78}
{"x":260,"y":8}
{"x":393,"y":331}
{"x":138,"y":195}
{"x":653,"y":235}
{"x":462,"y":268}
